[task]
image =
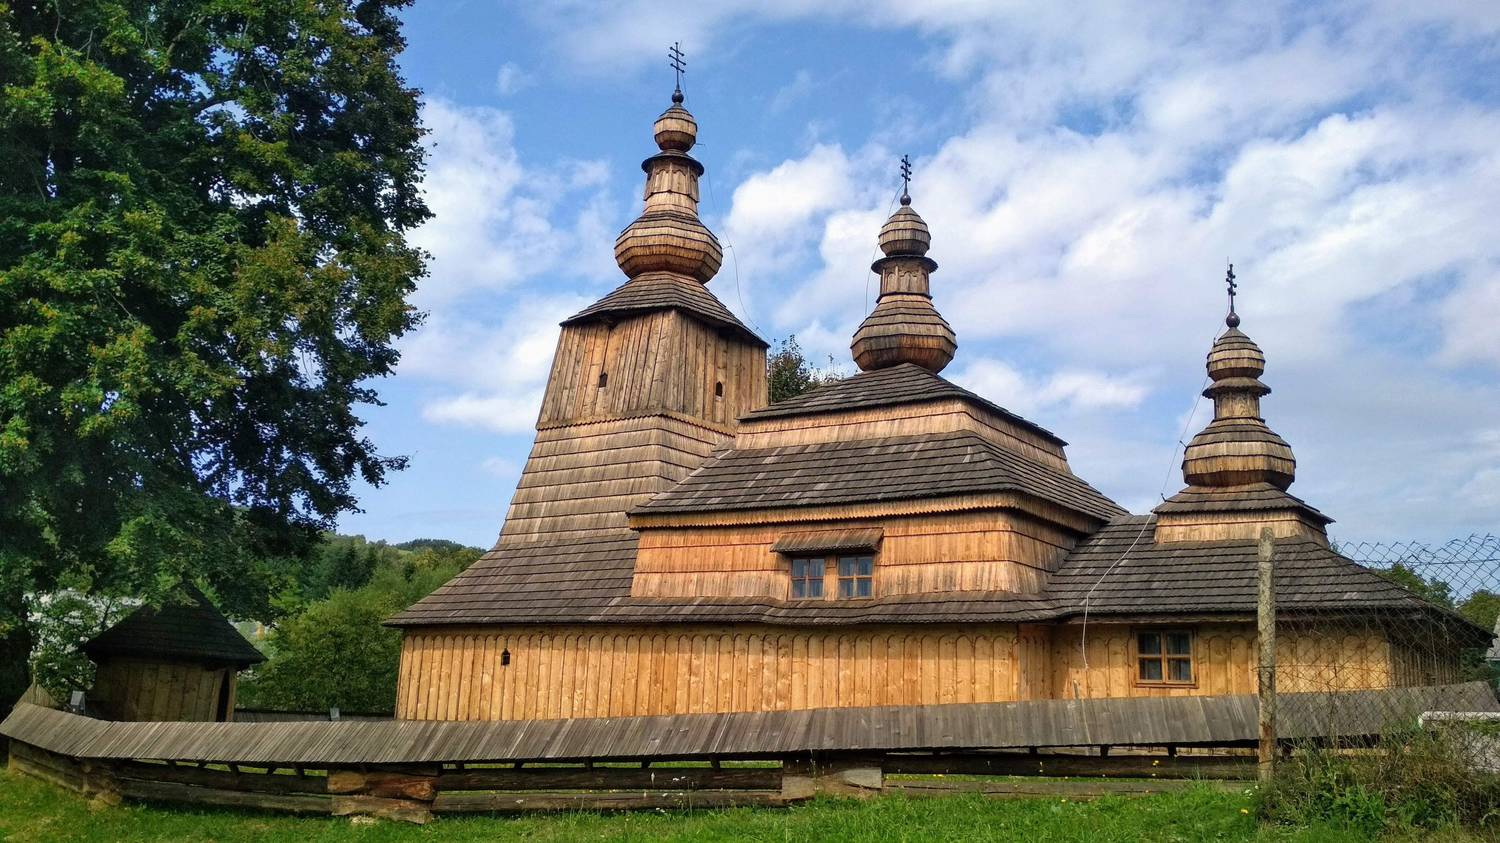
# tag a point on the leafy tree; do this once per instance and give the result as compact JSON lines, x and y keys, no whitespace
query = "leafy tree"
{"x":1432,"y":589}
{"x":336,"y":651}
{"x":789,"y":374}
{"x":203,"y":262}
{"x":351,"y":567}
{"x":1481,"y":608}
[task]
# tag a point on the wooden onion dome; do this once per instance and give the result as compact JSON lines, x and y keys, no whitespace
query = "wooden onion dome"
{"x":668,"y":236}
{"x":904,"y":327}
{"x":1237,"y":447}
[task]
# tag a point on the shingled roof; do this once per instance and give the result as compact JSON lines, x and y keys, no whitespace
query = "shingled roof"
{"x":560,"y":581}
{"x":906,"y":383}
{"x":1255,"y":497}
{"x":869,"y":471}
{"x":589,"y":582}
{"x":664,"y":291}
{"x":1129,"y":573}
{"x":188,"y":628}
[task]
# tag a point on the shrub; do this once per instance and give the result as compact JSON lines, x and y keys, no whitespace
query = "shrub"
{"x":1419,"y":779}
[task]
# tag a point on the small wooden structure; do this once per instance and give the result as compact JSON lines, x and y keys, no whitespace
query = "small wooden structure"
{"x":178,"y":661}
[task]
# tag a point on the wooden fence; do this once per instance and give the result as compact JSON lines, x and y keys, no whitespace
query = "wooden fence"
{"x":411,"y":770}
{"x":416,"y":792}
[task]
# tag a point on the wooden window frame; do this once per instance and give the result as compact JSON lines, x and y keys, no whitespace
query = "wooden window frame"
{"x":839,"y":577}
{"x":831,"y":576}
{"x":1163,"y":657}
{"x":793,"y":579}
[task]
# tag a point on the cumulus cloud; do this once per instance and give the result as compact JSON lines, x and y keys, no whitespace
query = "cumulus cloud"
{"x":1073,"y":391}
{"x":507,"y":412}
{"x":497,"y":220}
{"x":499,"y":225}
{"x":1107,"y":160}
{"x":510,"y":79}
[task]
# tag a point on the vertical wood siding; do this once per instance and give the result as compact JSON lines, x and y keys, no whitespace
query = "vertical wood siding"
{"x":1224,"y":661}
{"x":981,"y":551}
{"x":595,"y":671}
{"x":607,"y":672}
{"x":130,"y":689}
{"x":654,"y":362}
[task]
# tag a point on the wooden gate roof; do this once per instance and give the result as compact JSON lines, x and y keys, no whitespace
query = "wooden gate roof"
{"x":189,"y":628}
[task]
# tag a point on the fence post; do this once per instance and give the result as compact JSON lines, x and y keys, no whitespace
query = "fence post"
{"x":1265,"y":617}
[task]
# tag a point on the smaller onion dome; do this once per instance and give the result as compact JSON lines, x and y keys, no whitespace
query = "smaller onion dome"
{"x":1237,"y":447}
{"x":904,"y":327}
{"x":905,"y":233}
{"x":668,"y":236}
{"x":676,"y":130}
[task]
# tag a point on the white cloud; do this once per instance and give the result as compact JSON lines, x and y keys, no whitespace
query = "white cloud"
{"x":1072,"y":391}
{"x":495,"y":218}
{"x":800,"y":88}
{"x":499,"y":412}
{"x":499,"y":225}
{"x":510,"y":79}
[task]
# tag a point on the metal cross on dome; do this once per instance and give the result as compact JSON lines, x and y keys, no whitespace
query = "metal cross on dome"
{"x":678,"y":61}
{"x":906,"y":179}
{"x":1233,"y":320}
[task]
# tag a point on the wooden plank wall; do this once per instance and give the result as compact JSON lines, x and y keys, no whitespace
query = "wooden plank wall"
{"x":563,"y":672}
{"x":136,"y":689}
{"x":978,"y":551}
{"x":1224,"y":656}
{"x":654,"y":362}
{"x":1225,"y":526}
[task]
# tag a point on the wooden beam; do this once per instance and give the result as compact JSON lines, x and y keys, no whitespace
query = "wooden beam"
{"x":607,"y":778}
{"x":404,"y":810}
{"x":223,"y":779}
{"x":518,"y":803}
{"x":385,"y":785}
{"x":1114,"y":766}
{"x":1032,"y":789}
{"x":1266,"y":674}
{"x":298,"y":803}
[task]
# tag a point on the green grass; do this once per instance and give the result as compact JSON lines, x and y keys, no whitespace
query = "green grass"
{"x":31,"y":810}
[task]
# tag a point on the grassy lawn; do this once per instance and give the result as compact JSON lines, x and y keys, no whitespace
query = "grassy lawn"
{"x":34,"y":811}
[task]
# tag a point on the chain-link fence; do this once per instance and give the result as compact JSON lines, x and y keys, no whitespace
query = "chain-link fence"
{"x":1394,"y":655}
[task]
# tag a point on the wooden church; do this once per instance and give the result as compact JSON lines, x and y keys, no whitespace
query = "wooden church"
{"x":678,"y":545}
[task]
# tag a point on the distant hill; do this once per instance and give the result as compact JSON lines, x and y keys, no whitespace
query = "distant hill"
{"x":435,"y":544}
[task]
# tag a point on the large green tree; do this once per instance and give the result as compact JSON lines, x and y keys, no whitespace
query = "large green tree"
{"x":203,"y":262}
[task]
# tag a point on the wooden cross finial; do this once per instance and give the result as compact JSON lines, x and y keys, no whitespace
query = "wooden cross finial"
{"x":678,"y":61}
{"x":906,"y":180}
{"x":1233,"y":319}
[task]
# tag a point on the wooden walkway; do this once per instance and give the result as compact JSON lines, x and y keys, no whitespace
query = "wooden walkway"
{"x":1146,"y":722}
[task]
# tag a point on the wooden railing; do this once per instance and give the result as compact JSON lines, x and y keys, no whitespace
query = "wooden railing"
{"x":411,"y":770}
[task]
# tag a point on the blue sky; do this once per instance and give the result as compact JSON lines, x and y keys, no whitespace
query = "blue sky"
{"x":1085,"y":168}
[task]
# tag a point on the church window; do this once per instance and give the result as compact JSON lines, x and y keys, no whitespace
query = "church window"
{"x":603,"y":379}
{"x":1164,"y":657}
{"x":718,"y":389}
{"x":807,"y":578}
{"x":856,"y":576}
